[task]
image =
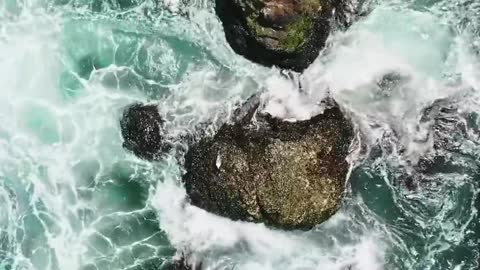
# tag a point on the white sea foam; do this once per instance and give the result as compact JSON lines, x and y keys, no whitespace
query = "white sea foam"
{"x":254,"y":246}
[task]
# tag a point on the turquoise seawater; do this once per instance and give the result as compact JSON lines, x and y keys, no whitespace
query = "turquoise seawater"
{"x":72,"y":199}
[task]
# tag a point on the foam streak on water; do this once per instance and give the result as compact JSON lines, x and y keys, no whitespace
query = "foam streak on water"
{"x":72,"y":198}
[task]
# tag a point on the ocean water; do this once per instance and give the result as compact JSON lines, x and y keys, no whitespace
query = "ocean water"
{"x":406,"y":72}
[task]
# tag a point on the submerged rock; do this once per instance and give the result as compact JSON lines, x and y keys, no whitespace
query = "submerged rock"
{"x":449,"y":135}
{"x":285,"y":33}
{"x":286,"y":174}
{"x":182,"y":264}
{"x":142,"y":131}
{"x":443,"y":144}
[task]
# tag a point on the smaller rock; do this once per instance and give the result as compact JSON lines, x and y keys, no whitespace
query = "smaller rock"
{"x":142,"y":131}
{"x":284,"y":33}
{"x":445,"y":144}
{"x":448,"y":132}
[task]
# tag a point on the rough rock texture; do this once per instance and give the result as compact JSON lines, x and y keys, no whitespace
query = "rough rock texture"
{"x":285,"y":33}
{"x":287,"y":175}
{"x":142,"y":131}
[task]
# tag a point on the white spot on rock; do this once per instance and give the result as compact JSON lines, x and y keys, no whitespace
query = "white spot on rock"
{"x":218,"y":162}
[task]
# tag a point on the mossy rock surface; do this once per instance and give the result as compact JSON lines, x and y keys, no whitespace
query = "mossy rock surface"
{"x":289,"y":175}
{"x":284,"y":33}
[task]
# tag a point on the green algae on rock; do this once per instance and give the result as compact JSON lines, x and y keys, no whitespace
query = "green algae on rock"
{"x":289,"y":175}
{"x":285,"y":33}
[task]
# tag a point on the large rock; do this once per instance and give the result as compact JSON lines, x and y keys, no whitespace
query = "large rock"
{"x":286,"y":174}
{"x":142,"y":131}
{"x":285,"y":33}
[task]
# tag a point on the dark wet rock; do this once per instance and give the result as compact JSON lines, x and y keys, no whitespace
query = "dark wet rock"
{"x":142,"y":131}
{"x":285,"y":33}
{"x":448,"y":134}
{"x":286,"y":174}
{"x":448,"y":125}
{"x":245,"y":111}
{"x":450,"y":147}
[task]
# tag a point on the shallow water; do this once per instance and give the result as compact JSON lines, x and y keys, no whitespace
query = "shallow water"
{"x":72,"y":198}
